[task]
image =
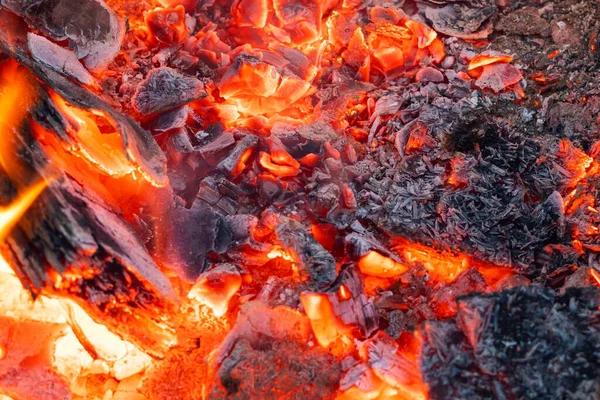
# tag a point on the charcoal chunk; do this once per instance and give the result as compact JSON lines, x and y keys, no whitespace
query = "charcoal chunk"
{"x":164,"y":89}
{"x":190,"y":235}
{"x":93,"y":30}
{"x":316,"y":262}
{"x":461,"y":20}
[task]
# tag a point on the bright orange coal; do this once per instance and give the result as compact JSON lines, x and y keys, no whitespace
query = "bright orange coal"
{"x":97,"y":140}
{"x":376,"y":264}
{"x":216,"y":288}
{"x":388,"y":370}
{"x":442,"y":266}
{"x":281,"y":170}
{"x":482,"y":60}
{"x":330,"y":332}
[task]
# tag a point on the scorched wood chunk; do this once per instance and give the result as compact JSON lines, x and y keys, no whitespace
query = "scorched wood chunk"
{"x":58,"y":58}
{"x":190,"y":235}
{"x":164,"y":89}
{"x":93,"y":30}
{"x":316,"y":262}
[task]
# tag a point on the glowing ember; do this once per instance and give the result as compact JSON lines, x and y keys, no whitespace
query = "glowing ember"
{"x":376,"y":264}
{"x":266,"y":161}
{"x":442,"y":266}
{"x":329,"y":331}
{"x":216,"y":287}
{"x":482,"y":60}
{"x":167,"y":25}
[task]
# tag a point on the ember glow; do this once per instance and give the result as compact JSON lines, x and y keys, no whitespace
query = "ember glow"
{"x":299,"y":199}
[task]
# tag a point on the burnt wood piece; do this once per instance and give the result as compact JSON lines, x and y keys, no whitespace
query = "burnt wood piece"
{"x":359,"y":244}
{"x":462,"y":20}
{"x":173,"y":119}
{"x":356,"y":310}
{"x":58,"y":58}
{"x":315,"y":262}
{"x":93,"y":30}
{"x":229,"y":164}
{"x":103,"y":265}
{"x":525,"y":343}
{"x":164,"y":89}
{"x":190,"y":235}
{"x":139,"y":146}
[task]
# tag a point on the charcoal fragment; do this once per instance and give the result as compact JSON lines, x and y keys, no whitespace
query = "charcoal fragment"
{"x":190,"y":235}
{"x":58,"y":59}
{"x":164,"y":89}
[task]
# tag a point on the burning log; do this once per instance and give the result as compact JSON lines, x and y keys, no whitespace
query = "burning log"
{"x":71,"y":242}
{"x":93,"y":257}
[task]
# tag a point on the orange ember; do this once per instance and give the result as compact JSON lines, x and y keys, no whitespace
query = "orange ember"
{"x":329,"y":331}
{"x":283,"y":171}
{"x":442,"y":266}
{"x":167,"y":26}
{"x":376,"y":264}
{"x":216,"y":288}
{"x":482,"y":60}
{"x":595,"y":275}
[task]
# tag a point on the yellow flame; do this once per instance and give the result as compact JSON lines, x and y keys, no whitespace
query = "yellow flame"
{"x":11,"y":214}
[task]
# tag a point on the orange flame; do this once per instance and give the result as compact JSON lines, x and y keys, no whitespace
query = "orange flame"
{"x":11,"y":214}
{"x":16,"y":95}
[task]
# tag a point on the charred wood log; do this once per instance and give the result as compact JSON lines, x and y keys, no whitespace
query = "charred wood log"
{"x":71,"y":243}
{"x":138,"y":145}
